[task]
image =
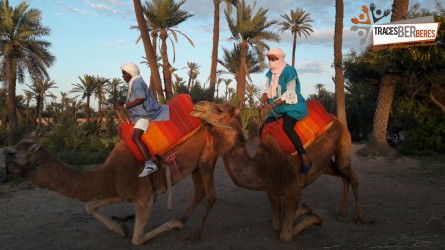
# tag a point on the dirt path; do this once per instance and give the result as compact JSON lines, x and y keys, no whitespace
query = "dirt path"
{"x":405,"y":202}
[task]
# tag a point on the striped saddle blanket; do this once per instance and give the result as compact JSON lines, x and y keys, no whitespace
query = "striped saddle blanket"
{"x":310,"y":128}
{"x":162,"y":136}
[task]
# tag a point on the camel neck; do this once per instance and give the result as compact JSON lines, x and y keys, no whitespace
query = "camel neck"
{"x":243,"y":169}
{"x":77,"y":184}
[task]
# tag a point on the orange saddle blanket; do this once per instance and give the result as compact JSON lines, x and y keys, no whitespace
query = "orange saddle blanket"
{"x":162,"y":136}
{"x":312,"y":126}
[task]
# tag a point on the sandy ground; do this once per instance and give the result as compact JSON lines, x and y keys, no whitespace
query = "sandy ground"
{"x":405,"y":202}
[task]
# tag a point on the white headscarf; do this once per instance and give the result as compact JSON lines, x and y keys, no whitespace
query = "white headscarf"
{"x":133,"y":70}
{"x":276,"y":67}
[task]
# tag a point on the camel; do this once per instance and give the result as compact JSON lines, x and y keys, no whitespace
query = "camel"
{"x":117,"y":181}
{"x":277,"y":173}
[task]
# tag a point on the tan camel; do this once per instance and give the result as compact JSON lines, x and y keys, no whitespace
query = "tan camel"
{"x":117,"y":181}
{"x":277,"y":173}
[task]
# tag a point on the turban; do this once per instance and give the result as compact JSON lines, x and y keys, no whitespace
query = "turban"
{"x":276,"y":52}
{"x":131,"y":68}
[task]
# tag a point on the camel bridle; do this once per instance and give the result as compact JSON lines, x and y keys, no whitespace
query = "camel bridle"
{"x":214,"y":124}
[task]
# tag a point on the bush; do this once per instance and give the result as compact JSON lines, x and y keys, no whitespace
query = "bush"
{"x":424,"y":126}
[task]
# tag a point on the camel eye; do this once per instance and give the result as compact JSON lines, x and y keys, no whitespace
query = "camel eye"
{"x":219,"y":110}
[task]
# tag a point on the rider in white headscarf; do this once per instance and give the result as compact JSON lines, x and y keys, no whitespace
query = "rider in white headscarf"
{"x":283,"y":96}
{"x":142,"y":108}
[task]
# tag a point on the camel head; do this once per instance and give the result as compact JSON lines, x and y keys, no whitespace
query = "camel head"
{"x":21,"y":159}
{"x":219,"y":115}
{"x":223,"y":122}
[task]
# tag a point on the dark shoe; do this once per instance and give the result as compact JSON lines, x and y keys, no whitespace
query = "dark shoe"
{"x":305,"y":168}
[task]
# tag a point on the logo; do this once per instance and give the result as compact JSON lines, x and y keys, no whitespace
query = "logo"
{"x":402,"y":34}
{"x":363,"y":22}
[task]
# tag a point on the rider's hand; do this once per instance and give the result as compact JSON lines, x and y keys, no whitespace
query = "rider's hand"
{"x":119,"y":106}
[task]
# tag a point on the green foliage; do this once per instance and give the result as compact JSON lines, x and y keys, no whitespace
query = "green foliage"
{"x":79,"y":145}
{"x":198,"y":93}
{"x":424,"y":126}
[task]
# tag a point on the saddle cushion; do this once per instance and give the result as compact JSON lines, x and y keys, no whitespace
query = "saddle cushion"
{"x":162,"y":136}
{"x":312,"y":126}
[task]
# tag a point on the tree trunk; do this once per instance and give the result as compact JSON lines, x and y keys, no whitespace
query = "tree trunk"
{"x":399,"y":10}
{"x":11,"y":71}
{"x":152,"y":87}
{"x":377,"y":143}
{"x":294,"y":48}
{"x":338,"y":63}
{"x":149,"y":51}
{"x":215,"y":47}
{"x":87,"y":111}
{"x":41,"y":104}
{"x":36,"y":112}
{"x":241,"y":77}
{"x":166,"y":66}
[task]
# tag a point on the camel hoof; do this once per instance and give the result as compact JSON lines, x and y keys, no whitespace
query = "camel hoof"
{"x":361,"y":221}
{"x":307,"y":210}
{"x":176,"y":223}
{"x":194,"y":238}
{"x":317,"y":221}
{"x":124,"y":229}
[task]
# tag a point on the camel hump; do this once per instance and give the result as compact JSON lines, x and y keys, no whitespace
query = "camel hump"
{"x":162,"y":136}
{"x":309,"y":129}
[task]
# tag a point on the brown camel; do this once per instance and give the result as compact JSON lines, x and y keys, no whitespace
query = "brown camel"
{"x":117,"y":181}
{"x":277,"y":173}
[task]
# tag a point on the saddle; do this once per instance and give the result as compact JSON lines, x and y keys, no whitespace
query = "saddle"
{"x":162,"y":136}
{"x":309,"y":129}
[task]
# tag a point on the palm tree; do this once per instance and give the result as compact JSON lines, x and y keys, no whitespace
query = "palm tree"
{"x":215,"y":47}
{"x":298,"y":24}
{"x":338,"y":62}
{"x":22,"y":48}
{"x":64,"y":100}
{"x":43,"y":87}
{"x":112,"y":88}
{"x":74,"y":105}
{"x":86,"y":87}
{"x":40,"y":89}
{"x":231,"y":61}
{"x":149,"y":50}
{"x":249,"y":28}
{"x":252,"y":92}
{"x":165,"y":15}
{"x":28,"y":97}
{"x":227,"y":82}
{"x":193,"y":72}
{"x":377,"y":142}
{"x":99,"y":92}
{"x":218,"y":82}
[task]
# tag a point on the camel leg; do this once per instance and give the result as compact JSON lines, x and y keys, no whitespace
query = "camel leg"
{"x":93,"y":206}
{"x":343,"y":160}
{"x":303,"y":210}
{"x":275,"y":203}
{"x":143,"y":210}
{"x":290,"y":204}
{"x":204,"y":187}
{"x":173,"y":223}
{"x":312,"y":219}
{"x":352,"y":178}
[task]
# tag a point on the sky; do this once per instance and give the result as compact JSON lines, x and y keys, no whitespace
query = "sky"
{"x":94,"y":37}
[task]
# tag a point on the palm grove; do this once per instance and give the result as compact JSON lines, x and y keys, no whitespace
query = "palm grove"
{"x":375,"y":91}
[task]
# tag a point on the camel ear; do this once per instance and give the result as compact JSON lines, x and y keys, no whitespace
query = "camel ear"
{"x":236,"y":112}
{"x":33,"y":148}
